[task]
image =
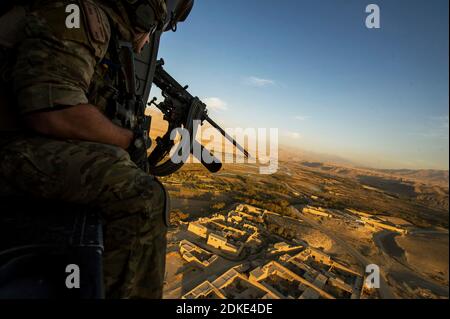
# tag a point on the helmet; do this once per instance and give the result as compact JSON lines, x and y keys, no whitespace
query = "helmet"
{"x":146,"y":15}
{"x":178,"y":11}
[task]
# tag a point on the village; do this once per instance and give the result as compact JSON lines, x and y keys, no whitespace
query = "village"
{"x":239,"y":255}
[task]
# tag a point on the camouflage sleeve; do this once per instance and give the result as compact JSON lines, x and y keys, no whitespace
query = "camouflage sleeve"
{"x":55,"y":64}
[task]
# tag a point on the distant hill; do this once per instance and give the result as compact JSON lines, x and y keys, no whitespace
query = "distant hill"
{"x":315,"y":159}
{"x":426,"y":175}
{"x":332,"y":163}
{"x":341,"y":166}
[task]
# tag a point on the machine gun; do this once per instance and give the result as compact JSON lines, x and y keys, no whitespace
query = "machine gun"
{"x":181,"y":110}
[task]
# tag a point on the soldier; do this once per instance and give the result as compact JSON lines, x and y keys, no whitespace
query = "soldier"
{"x":56,"y":141}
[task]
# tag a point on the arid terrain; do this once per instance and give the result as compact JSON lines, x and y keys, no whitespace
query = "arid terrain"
{"x":395,"y":219}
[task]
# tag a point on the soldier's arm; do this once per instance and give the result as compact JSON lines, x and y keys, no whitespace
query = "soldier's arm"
{"x":53,"y":74}
{"x":81,"y":122}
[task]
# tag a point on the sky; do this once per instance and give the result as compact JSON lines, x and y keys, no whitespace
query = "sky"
{"x":312,"y":69}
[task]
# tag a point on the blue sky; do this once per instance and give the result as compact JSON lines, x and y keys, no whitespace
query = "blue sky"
{"x":311,"y":68}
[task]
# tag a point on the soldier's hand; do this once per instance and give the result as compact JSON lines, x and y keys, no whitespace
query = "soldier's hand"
{"x":138,"y":152}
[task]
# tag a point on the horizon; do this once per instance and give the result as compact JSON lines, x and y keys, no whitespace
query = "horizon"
{"x":342,"y":161}
{"x":377,"y":97}
{"x":158,"y":128}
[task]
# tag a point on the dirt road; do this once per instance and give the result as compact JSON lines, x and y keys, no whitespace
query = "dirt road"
{"x":385,"y":290}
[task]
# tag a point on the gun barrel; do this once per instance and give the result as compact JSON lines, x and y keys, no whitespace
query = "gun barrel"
{"x":171,"y":86}
{"x":227,"y":136}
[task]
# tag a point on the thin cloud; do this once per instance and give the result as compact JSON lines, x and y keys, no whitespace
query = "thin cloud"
{"x":441,"y":121}
{"x":293,"y":135}
{"x":302,"y":118}
{"x":215,"y":103}
{"x":258,"y":82}
{"x":437,"y":128}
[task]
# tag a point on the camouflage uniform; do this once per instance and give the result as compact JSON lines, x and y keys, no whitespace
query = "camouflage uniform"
{"x":54,"y":67}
